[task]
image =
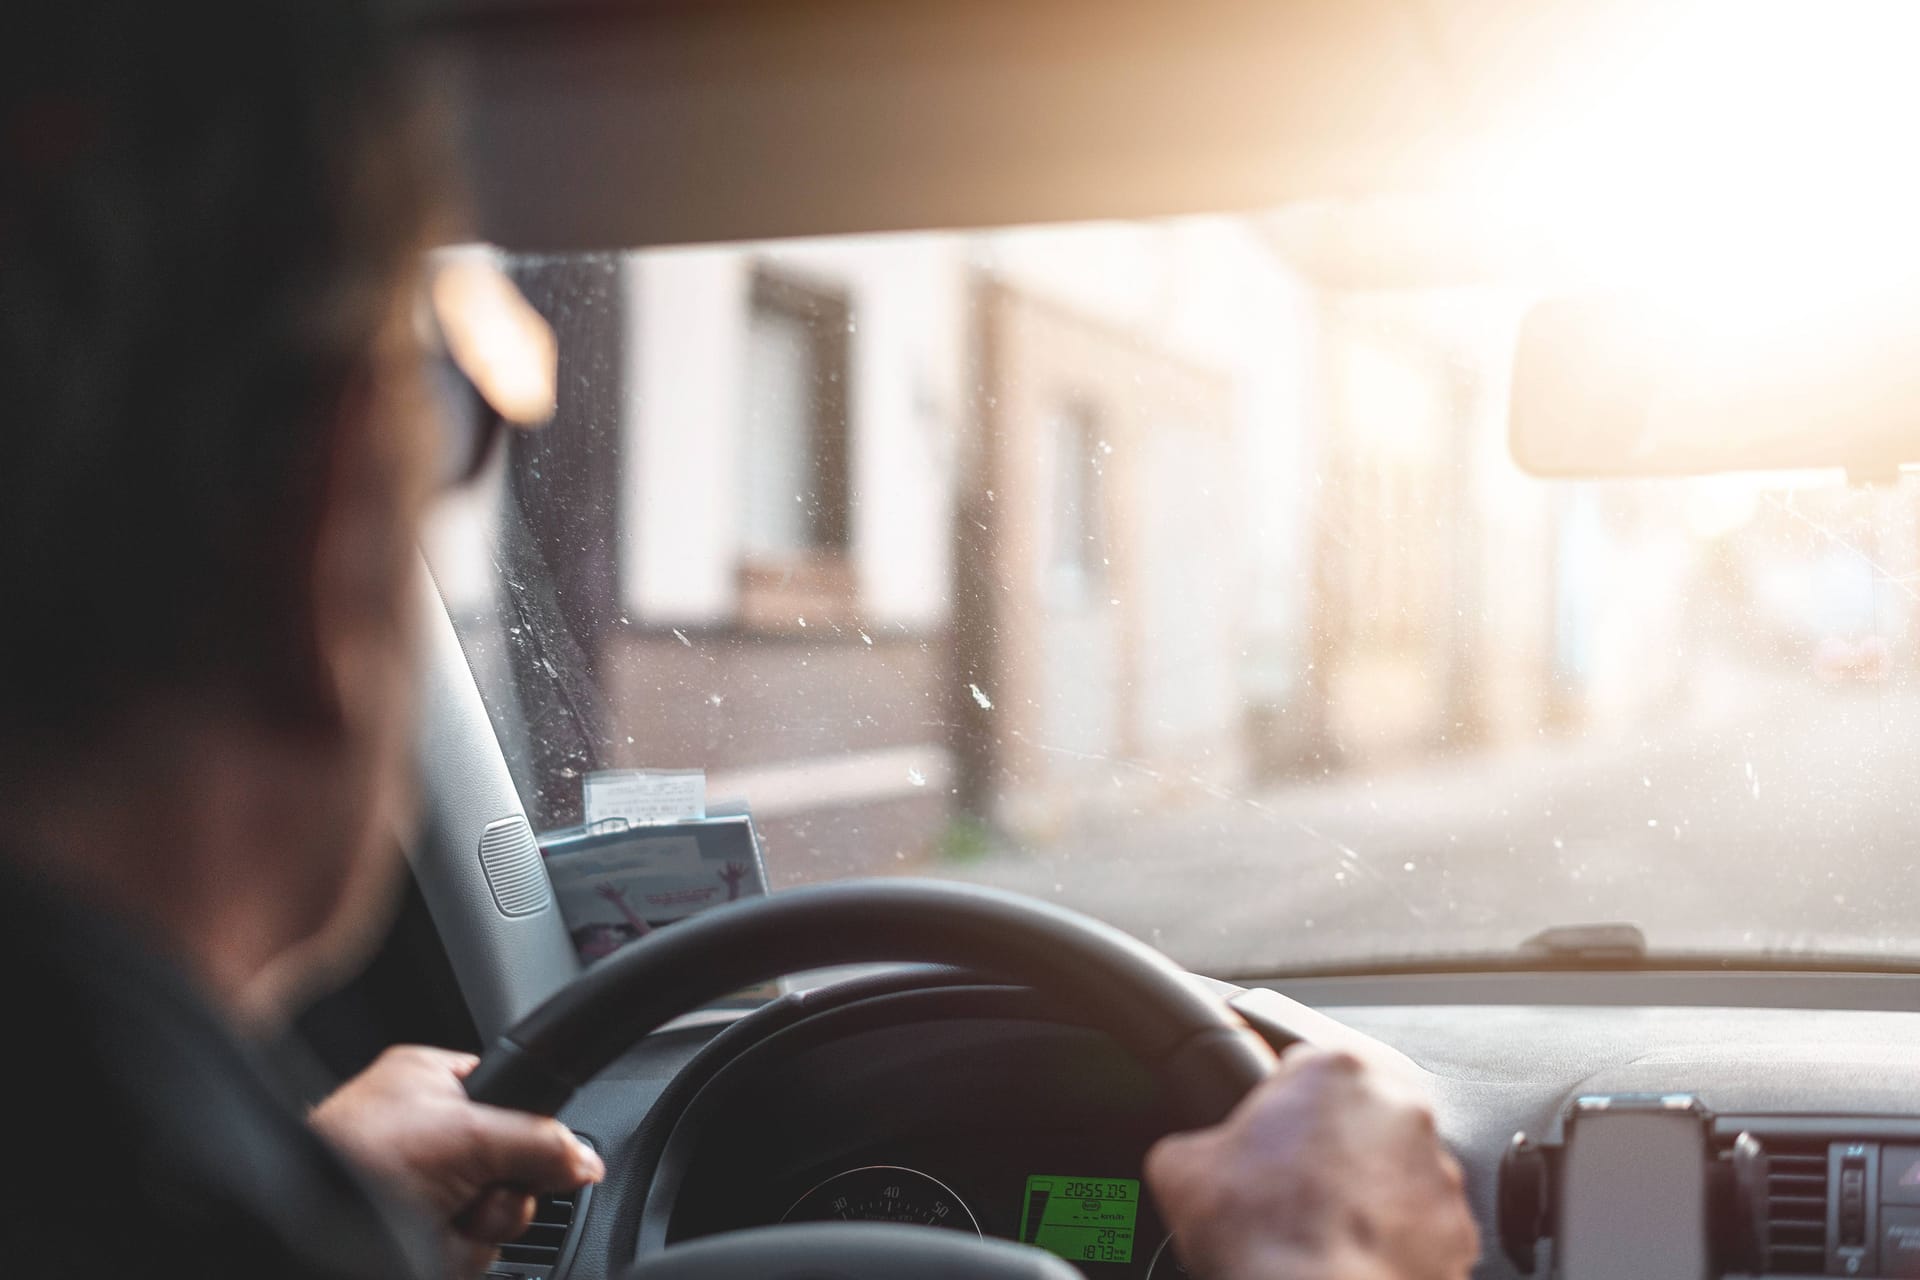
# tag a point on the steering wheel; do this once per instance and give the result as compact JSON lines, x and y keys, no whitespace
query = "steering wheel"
{"x":1204,"y":1054}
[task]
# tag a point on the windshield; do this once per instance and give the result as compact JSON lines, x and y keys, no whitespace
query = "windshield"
{"x":1156,"y":571}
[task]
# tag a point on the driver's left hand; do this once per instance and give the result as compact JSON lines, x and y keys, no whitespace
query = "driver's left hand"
{"x":475,"y":1169}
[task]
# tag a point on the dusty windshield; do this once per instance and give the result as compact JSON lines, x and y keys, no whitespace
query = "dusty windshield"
{"x":1157,"y":571}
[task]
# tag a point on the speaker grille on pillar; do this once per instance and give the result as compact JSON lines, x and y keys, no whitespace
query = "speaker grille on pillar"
{"x":511,"y":859}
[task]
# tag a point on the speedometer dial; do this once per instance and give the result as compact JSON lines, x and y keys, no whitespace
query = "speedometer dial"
{"x":884,"y":1193}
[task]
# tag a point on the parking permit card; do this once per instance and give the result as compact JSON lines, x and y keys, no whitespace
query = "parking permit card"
{"x":643,"y":797}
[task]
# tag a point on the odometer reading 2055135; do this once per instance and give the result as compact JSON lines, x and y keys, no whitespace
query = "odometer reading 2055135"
{"x":1081,"y":1219}
{"x":884,"y":1193}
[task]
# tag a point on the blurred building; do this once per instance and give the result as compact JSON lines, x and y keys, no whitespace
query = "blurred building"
{"x":1136,"y":516}
{"x":919,"y":541}
{"x":911,"y":538}
{"x":1433,"y":623}
{"x":1105,"y":612}
{"x":793,"y":434}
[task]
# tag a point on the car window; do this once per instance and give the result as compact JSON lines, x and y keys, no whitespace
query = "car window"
{"x":1160,"y":571}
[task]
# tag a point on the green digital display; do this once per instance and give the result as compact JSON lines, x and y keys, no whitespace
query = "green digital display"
{"x":1081,"y":1219}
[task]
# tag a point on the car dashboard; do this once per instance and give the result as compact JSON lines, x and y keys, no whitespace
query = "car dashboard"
{"x":1763,"y":1140}
{"x":970,"y":1119}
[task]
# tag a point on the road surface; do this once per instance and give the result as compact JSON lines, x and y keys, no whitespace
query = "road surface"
{"x":1785,"y":816}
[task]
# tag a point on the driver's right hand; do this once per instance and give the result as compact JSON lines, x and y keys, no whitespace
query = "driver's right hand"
{"x":474,"y":1169}
{"x":1330,"y":1170}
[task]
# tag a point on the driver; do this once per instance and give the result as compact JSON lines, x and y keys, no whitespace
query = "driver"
{"x":219,"y":444}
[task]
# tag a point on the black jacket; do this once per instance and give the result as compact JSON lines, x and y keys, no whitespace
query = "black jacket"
{"x":140,"y":1138}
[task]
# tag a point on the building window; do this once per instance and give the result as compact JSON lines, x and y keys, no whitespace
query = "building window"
{"x":1077,"y":551}
{"x":794,"y":489}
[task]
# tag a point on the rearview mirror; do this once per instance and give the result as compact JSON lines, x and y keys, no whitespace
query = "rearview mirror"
{"x":1613,"y":386}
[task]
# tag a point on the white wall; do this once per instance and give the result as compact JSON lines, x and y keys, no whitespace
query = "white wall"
{"x":1210,"y":290}
{"x":687,"y":335}
{"x":905,"y":406}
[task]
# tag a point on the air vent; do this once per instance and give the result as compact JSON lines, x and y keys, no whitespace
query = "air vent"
{"x":1796,"y":1206}
{"x":515,"y":873}
{"x":543,"y":1248}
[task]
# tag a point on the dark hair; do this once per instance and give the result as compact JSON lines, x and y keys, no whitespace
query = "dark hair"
{"x":204,"y":208}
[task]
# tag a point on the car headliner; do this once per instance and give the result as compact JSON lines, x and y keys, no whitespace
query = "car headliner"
{"x":673,"y":121}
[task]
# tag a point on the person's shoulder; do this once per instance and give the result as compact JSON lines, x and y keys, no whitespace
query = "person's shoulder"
{"x":144,"y":1138}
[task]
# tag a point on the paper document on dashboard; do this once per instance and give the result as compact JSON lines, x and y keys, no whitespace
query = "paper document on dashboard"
{"x":617,"y":885}
{"x":643,"y":797}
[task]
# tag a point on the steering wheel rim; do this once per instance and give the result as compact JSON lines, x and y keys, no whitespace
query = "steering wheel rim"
{"x":840,"y":1249}
{"x":1201,"y":1048}
{"x":1206,"y":1054}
